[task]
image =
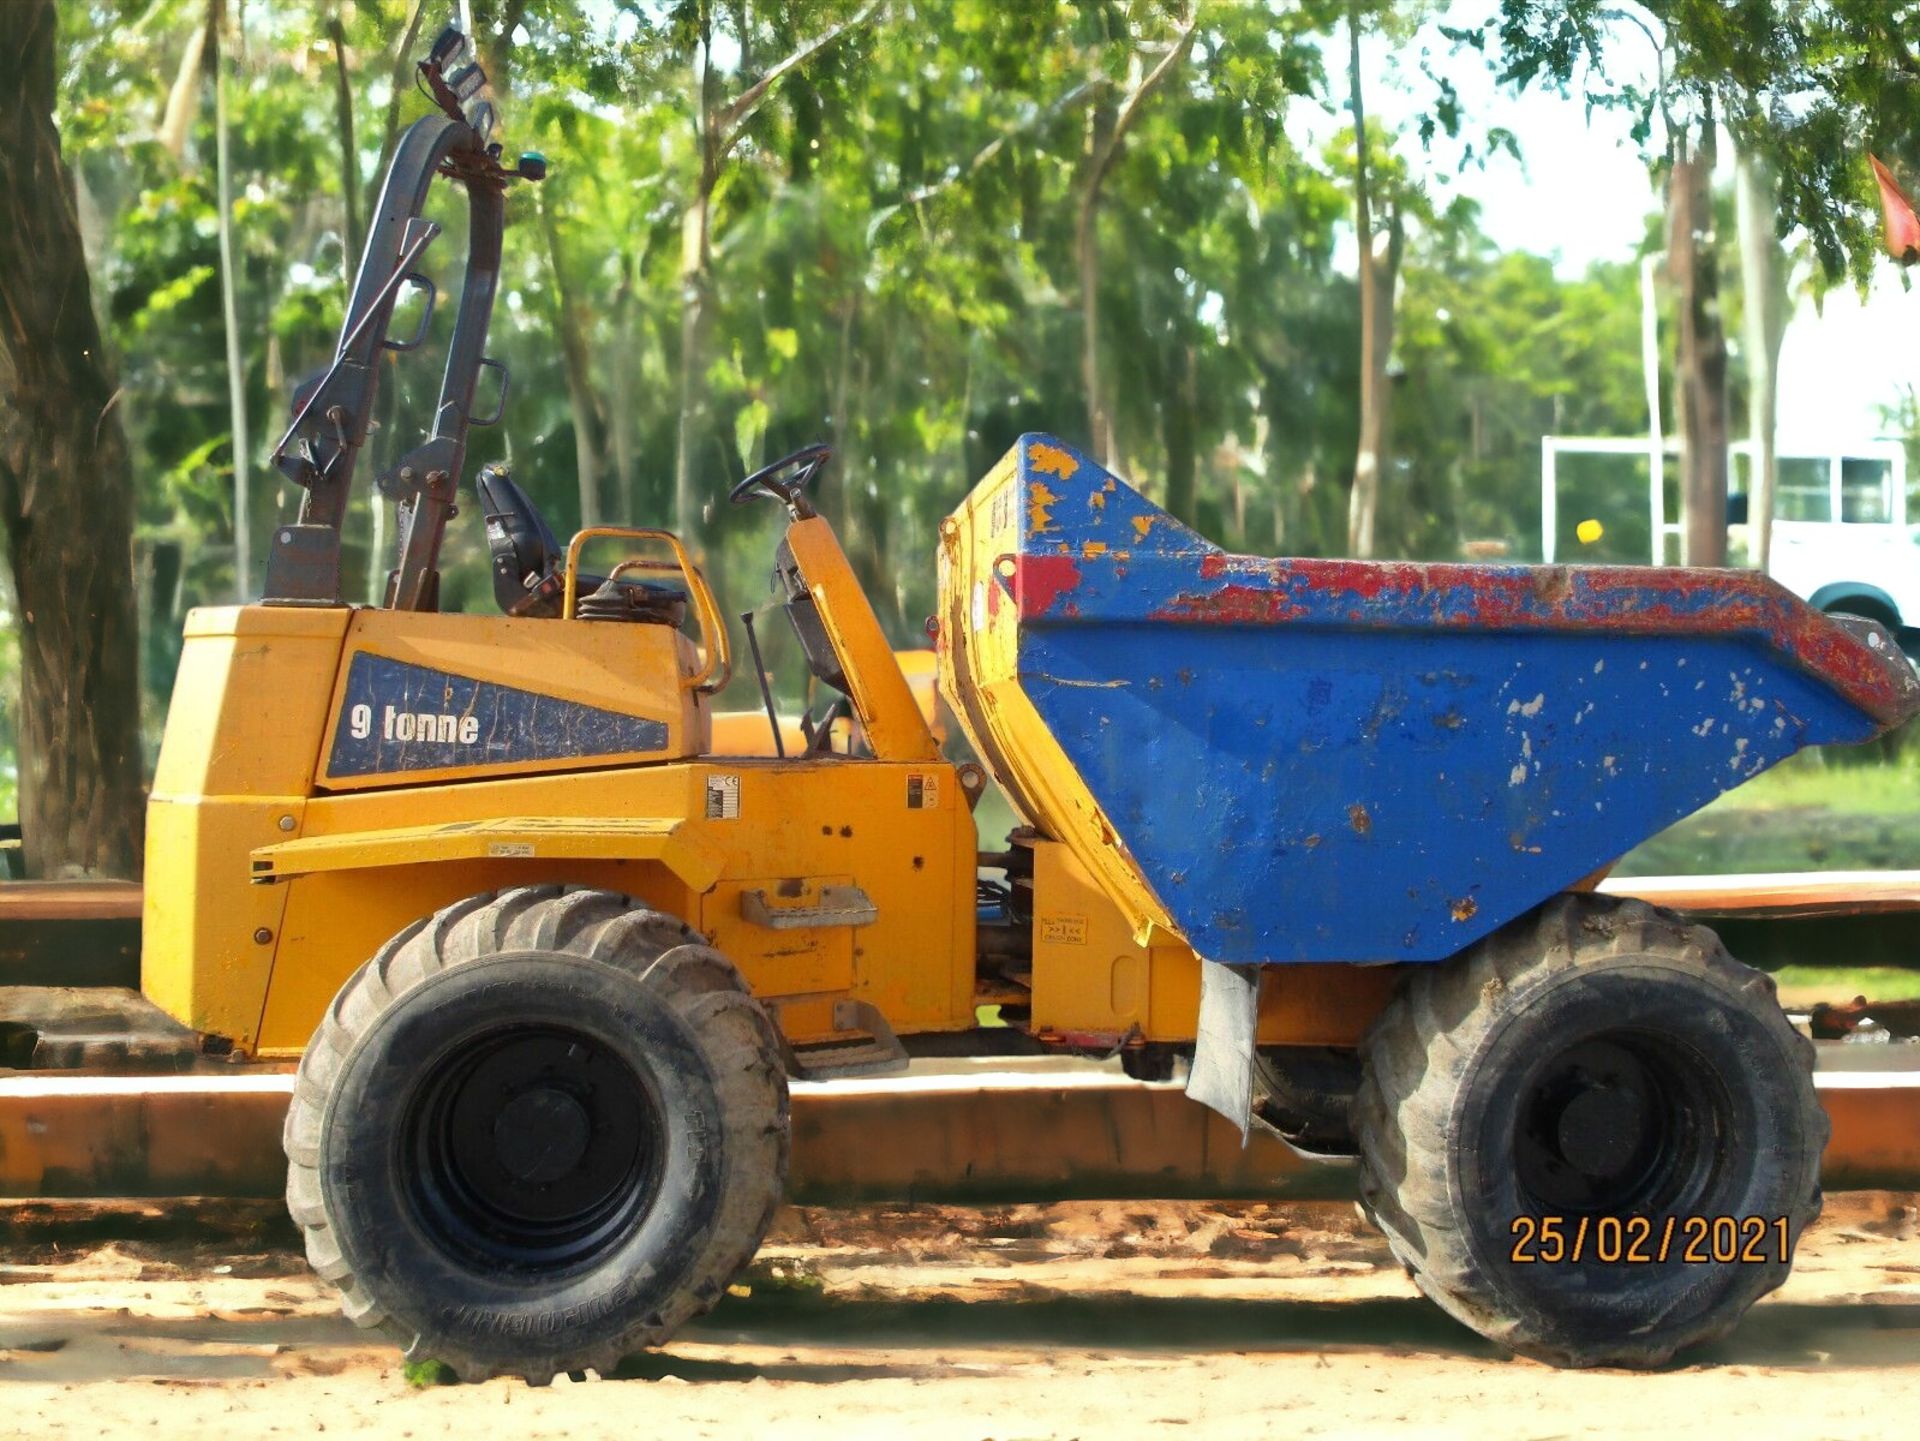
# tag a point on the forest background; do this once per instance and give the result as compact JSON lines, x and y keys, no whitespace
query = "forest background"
{"x":1169,"y":232}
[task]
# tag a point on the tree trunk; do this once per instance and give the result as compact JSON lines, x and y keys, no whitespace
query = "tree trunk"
{"x":241,"y":443}
{"x":183,"y":99}
{"x":66,"y":495}
{"x":696,"y":282}
{"x":835,"y":499}
{"x":493,"y":42}
{"x":1376,"y":394}
{"x":1764,"y":303}
{"x":402,"y":86}
{"x":717,"y":127}
{"x":349,"y":150}
{"x":1103,"y":146}
{"x":1378,"y":276}
{"x":1282,"y":472}
{"x":1177,"y":433}
{"x":577,"y":365}
{"x":625,"y":401}
{"x":1701,"y":370}
{"x":1086,"y":245}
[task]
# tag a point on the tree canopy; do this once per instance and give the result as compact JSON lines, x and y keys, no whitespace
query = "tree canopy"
{"x":897,"y":226}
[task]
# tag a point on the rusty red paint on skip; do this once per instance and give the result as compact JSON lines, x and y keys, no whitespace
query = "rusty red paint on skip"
{"x":1246,"y":590}
{"x":1040,"y":580}
{"x":1232,"y":605}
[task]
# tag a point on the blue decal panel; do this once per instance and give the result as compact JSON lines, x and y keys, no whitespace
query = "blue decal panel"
{"x":399,"y":717}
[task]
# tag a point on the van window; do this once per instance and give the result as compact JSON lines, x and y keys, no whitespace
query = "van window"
{"x":1866,"y":491}
{"x":1802,"y":490}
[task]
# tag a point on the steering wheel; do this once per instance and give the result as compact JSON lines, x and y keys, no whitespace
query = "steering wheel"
{"x":806,"y":462}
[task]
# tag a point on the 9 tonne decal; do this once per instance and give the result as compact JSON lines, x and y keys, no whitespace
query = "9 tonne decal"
{"x":398,"y":717}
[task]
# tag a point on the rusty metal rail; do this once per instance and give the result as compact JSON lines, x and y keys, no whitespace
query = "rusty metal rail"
{"x":962,"y":1138}
{"x":87,"y":933}
{"x":70,"y":901}
{"x":1786,"y":894}
{"x":1789,"y":895}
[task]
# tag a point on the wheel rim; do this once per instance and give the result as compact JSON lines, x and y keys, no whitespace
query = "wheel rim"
{"x":531,"y":1148}
{"x":1620,"y":1123}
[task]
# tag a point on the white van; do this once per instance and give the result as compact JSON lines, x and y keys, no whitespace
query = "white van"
{"x":1841,"y":539}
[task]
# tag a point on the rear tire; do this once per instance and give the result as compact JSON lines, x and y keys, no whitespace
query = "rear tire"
{"x":1305,"y":1094}
{"x":538,"y":1132}
{"x":1597,"y":1058}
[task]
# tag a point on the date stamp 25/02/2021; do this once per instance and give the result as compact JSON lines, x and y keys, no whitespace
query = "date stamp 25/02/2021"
{"x":1650,"y":1240}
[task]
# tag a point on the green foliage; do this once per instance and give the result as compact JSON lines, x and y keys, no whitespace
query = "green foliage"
{"x":1810,"y":86}
{"x":421,"y":1375}
{"x":894,"y":269}
{"x":1496,"y":351}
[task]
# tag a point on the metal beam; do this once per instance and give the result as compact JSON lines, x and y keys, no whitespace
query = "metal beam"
{"x":966,"y":1138}
{"x":1792,"y":895}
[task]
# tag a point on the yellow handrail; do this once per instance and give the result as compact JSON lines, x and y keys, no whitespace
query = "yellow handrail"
{"x":716,"y":667}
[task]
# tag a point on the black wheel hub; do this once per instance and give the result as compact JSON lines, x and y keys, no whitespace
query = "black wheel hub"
{"x":531,"y":1148}
{"x":1620,"y":1123}
{"x":541,"y":1136}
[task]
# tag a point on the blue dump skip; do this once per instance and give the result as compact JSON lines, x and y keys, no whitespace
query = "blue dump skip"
{"x":1311,"y":760}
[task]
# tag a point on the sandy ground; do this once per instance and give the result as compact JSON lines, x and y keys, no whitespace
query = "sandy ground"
{"x":1087,"y":1320}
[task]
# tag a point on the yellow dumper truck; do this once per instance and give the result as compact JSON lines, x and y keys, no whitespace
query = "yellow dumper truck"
{"x":1314,"y":830}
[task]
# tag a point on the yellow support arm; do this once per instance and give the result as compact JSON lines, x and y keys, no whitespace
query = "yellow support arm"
{"x":671,"y":842}
{"x":891,"y":718}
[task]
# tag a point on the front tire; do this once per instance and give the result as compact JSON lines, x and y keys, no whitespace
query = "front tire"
{"x":1595,"y":1059}
{"x":539,"y":1131}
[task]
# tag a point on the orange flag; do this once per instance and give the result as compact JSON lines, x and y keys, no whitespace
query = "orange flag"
{"x":1902,"y":227}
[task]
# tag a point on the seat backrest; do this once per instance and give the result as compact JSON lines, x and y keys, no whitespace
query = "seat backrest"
{"x":521,"y":543}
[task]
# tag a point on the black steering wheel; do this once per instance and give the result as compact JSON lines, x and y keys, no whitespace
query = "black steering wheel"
{"x":806,"y":462}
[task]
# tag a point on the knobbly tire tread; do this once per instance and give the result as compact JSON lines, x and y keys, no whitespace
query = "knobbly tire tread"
{"x":1405,"y":1121}
{"x":678,"y":969}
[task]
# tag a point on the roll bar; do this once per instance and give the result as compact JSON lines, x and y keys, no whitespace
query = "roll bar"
{"x":332,"y":414}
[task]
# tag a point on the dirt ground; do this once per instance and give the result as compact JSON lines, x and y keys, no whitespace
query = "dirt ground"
{"x":1085,"y":1320}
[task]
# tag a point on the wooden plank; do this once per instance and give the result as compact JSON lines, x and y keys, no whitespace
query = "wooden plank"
{"x":1777,"y":895}
{"x":69,"y":901}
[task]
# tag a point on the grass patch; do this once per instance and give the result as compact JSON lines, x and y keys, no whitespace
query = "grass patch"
{"x":1836,"y":985}
{"x":422,"y":1374}
{"x":1811,"y":813}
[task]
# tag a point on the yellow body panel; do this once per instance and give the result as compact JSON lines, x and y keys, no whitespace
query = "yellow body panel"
{"x":694,"y":863}
{"x":835,"y":821}
{"x":275,"y":870}
{"x":1090,"y":977}
{"x":978,"y":667}
{"x":235,"y":770}
{"x":797,"y":963}
{"x":748,"y":733}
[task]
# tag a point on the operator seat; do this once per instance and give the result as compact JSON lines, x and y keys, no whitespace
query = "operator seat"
{"x":529,"y":566}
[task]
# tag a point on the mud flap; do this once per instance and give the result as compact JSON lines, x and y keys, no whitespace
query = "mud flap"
{"x":1222,"y":1074}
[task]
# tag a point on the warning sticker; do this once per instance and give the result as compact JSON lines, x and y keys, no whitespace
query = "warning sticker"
{"x":923,"y":793}
{"x":723,"y":798}
{"x":1001,"y":514}
{"x":1064,"y":930}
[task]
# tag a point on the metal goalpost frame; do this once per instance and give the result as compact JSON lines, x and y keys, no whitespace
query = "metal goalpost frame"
{"x":1891,"y":452}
